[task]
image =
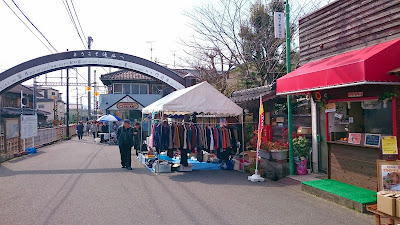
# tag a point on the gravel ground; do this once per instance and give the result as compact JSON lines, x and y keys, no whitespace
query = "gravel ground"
{"x":78,"y":182}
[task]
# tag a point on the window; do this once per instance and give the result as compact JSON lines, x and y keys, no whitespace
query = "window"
{"x":143,"y":89}
{"x":372,"y":117}
{"x":117,"y":89}
{"x":53,"y":93}
{"x":157,"y":89}
{"x":131,"y":89}
{"x":41,"y":106}
{"x":135,"y":89}
{"x":140,"y":89}
{"x":126,"y":89}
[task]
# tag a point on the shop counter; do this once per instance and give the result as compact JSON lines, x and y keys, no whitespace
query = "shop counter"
{"x":353,"y":164}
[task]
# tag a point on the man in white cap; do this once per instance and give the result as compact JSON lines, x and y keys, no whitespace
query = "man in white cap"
{"x":125,"y":142}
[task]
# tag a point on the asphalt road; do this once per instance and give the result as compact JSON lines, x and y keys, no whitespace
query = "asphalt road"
{"x":78,"y":182}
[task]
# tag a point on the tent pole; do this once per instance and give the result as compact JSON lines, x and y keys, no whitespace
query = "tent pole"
{"x":141,"y":134}
{"x":159,"y":152}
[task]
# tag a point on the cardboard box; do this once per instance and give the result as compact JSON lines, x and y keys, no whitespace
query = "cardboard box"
{"x":398,"y":207}
{"x":386,"y":204}
{"x":250,"y":156}
{"x":208,"y":156}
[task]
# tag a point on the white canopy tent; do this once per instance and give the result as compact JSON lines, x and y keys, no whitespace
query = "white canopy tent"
{"x":200,"y":98}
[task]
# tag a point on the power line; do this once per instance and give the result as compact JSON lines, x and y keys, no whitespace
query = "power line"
{"x":73,"y":21}
{"x":33,"y":25}
{"x":77,"y":18}
{"x":28,"y":27}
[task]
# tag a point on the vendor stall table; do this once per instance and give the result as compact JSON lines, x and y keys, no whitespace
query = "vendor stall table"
{"x":378,"y":215}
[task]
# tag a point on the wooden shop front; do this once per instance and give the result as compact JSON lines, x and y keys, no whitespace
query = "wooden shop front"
{"x":354,"y":105}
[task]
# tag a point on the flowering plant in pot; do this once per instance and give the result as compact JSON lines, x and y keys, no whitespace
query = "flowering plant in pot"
{"x":301,"y":153}
{"x":279,"y":150}
{"x":264,"y":147}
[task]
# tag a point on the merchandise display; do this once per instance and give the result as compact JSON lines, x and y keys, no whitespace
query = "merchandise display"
{"x":219,"y":140}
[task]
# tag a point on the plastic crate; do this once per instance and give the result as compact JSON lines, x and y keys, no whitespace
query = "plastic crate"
{"x":162,"y":168}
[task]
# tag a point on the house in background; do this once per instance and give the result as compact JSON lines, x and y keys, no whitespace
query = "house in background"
{"x":50,"y":101}
{"x":130,"y":91}
{"x":11,"y":103}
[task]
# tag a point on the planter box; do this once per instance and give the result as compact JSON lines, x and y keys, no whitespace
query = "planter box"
{"x":279,"y":154}
{"x":265,"y":154}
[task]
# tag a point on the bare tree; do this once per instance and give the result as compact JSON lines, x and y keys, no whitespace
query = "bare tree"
{"x":239,"y":34}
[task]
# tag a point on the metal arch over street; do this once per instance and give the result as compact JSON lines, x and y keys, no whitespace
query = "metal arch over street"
{"x":50,"y":63}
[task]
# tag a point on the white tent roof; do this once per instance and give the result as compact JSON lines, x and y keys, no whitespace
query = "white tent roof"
{"x":200,"y":98}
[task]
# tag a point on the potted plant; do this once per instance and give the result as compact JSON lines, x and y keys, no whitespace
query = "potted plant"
{"x":279,"y":150}
{"x":264,"y":151}
{"x":386,"y":97}
{"x":301,"y":153}
{"x":264,"y":146}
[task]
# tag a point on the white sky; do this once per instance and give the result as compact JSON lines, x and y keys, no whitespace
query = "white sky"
{"x":117,"y":25}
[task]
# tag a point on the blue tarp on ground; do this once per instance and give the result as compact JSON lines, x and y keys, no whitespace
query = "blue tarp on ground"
{"x":196,"y":164}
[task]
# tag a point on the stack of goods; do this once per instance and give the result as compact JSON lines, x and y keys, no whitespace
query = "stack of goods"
{"x":194,"y":138}
{"x":389,"y":202}
{"x":161,"y":166}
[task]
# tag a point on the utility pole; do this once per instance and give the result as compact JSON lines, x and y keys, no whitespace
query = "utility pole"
{"x":77,"y":99}
{"x":174,"y":59}
{"x":151,"y":49}
{"x":95,"y":97}
{"x":67,"y":113}
{"x":34,"y":106}
{"x":289,"y":98}
{"x":90,"y":40}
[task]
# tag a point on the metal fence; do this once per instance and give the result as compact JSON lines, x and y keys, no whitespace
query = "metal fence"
{"x":15,"y":146}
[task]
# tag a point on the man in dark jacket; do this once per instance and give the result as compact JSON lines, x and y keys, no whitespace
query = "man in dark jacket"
{"x":125,"y":142}
{"x":79,"y":130}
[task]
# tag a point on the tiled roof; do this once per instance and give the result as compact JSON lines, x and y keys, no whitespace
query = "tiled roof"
{"x":253,"y":94}
{"x":25,"y":90}
{"x":133,"y":75}
{"x":17,"y":111}
{"x":124,"y":75}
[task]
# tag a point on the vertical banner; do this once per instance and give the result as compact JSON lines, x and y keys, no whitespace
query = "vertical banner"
{"x":260,"y":127}
{"x":279,"y":25}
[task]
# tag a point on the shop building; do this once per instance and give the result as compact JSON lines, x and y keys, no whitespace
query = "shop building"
{"x":129,"y":92}
{"x":350,"y":53}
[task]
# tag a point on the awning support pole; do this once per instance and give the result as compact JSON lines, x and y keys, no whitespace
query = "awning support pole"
{"x":289,"y":99}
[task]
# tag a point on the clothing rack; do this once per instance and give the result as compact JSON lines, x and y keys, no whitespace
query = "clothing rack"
{"x":191,"y":123}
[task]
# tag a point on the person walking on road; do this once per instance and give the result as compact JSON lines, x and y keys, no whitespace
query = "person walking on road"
{"x":79,"y":130}
{"x":94,"y":129}
{"x":87,"y":128}
{"x":125,"y":143}
{"x":136,"y":137}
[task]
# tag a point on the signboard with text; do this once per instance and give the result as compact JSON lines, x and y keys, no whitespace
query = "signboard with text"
{"x":389,"y":145}
{"x":29,"y":126}
{"x":12,"y":128}
{"x":127,"y":105}
{"x":279,"y":25}
{"x":372,"y":140}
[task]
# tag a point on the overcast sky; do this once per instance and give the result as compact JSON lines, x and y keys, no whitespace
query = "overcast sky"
{"x":118,"y":25}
